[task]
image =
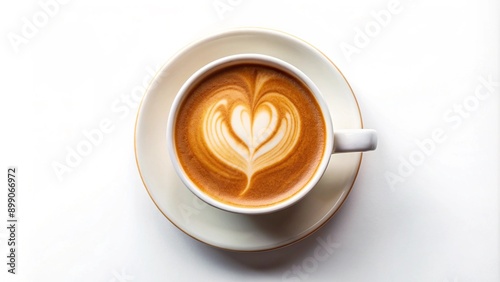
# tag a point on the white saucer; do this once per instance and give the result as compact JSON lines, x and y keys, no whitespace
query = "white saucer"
{"x":223,"y":229}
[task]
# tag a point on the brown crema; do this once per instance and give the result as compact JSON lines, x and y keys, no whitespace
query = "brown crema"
{"x":250,"y":135}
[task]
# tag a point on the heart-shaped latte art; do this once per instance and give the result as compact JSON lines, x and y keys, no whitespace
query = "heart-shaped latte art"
{"x":248,"y":138}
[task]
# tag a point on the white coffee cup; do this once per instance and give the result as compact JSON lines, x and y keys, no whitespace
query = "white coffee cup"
{"x":337,"y":140}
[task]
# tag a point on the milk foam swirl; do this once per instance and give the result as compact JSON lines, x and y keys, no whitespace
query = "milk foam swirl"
{"x":249,"y":128}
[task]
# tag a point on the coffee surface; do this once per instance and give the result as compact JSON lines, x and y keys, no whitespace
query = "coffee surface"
{"x":250,"y":135}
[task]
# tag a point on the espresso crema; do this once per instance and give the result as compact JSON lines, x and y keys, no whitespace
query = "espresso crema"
{"x":250,"y":135}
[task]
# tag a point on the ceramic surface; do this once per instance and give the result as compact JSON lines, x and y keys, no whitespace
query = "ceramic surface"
{"x":224,"y":229}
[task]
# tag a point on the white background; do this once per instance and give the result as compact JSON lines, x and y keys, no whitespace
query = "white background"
{"x":436,"y":220}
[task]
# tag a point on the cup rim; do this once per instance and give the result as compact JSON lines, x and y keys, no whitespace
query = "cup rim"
{"x":232,"y":60}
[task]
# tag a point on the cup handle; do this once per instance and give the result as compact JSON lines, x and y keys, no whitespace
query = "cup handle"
{"x":354,"y":140}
